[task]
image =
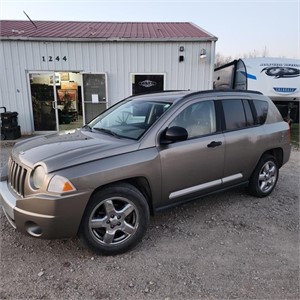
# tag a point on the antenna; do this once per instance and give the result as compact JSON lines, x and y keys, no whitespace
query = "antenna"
{"x":29,"y":19}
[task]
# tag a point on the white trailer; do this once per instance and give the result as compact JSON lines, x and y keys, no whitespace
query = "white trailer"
{"x":277,"y":78}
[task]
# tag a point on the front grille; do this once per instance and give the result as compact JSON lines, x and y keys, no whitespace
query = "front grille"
{"x":16,"y":177}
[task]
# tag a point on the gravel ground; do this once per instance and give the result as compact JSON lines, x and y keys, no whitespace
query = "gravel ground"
{"x":226,"y":246}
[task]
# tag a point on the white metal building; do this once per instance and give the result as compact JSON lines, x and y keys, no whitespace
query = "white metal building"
{"x":53,"y":70}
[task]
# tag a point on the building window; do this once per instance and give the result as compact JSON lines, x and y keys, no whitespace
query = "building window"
{"x":147,"y":83}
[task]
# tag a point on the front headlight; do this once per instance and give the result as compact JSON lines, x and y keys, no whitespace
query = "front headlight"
{"x":60,"y":184}
{"x":37,"y":177}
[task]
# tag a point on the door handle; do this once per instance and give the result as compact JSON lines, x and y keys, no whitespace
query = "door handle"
{"x":214,"y":144}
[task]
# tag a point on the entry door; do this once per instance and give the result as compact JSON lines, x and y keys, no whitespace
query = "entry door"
{"x":43,"y":99}
{"x":94,"y":94}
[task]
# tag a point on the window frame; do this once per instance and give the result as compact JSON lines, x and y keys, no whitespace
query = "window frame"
{"x":251,"y":111}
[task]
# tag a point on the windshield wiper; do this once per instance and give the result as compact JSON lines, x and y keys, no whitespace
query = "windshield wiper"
{"x":108,"y":131}
{"x":87,"y":127}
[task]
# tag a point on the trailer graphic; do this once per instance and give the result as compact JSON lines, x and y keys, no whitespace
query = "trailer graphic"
{"x":279,"y":72}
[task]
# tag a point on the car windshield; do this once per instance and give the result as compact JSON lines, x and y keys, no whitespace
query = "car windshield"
{"x":130,"y":119}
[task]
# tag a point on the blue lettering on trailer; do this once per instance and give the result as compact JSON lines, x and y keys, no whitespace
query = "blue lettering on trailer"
{"x":284,"y":90}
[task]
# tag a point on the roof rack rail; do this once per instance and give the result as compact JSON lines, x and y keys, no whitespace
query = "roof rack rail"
{"x":223,"y":91}
{"x":200,"y":92}
{"x":236,"y":90}
{"x":158,"y":92}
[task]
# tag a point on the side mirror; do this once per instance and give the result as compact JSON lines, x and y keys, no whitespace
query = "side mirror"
{"x":174,"y":134}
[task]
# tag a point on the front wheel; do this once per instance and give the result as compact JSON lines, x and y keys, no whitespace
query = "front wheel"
{"x":115,"y":219}
{"x":264,"y":177}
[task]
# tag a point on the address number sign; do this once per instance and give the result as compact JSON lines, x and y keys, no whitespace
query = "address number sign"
{"x":52,"y":58}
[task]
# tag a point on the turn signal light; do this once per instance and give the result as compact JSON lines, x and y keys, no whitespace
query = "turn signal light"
{"x":68,"y":187}
{"x":60,"y":184}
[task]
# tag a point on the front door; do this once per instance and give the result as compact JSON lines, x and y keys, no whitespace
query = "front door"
{"x":56,"y":101}
{"x":194,"y":166}
{"x":42,"y":88}
{"x":94,"y":95}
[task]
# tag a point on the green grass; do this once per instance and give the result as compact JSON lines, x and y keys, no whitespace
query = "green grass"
{"x":295,"y":134}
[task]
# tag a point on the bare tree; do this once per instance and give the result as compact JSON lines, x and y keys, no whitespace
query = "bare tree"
{"x":221,"y":59}
{"x":257,"y":53}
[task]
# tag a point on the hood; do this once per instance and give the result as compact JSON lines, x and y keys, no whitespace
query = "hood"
{"x":66,"y":149}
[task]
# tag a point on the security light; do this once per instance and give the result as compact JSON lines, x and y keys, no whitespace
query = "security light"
{"x":202,"y":53}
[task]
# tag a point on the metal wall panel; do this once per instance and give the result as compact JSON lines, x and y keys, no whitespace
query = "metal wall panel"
{"x":117,"y":59}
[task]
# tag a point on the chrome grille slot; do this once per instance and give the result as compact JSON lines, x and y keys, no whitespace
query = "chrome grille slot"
{"x":13,"y":175}
{"x":16,"y":177}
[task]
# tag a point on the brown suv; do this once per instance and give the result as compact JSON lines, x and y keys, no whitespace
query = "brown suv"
{"x":142,"y":155}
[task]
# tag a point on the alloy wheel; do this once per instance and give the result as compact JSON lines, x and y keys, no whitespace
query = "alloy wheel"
{"x":113,"y":221}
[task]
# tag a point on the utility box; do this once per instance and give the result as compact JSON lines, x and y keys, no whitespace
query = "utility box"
{"x":10,"y":130}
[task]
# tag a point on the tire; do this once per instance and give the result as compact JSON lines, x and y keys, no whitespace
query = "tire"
{"x":264,"y":177}
{"x":115,"y":220}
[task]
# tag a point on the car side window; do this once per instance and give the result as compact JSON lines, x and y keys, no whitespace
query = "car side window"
{"x":261,"y":108}
{"x":234,"y":114}
{"x":198,"y":119}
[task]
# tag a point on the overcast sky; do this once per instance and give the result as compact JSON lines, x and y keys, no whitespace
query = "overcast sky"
{"x":242,"y":26}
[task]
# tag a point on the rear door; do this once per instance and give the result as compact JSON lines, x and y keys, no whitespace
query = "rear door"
{"x":242,"y":134}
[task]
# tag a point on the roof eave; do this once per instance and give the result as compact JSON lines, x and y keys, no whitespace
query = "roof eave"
{"x":95,"y":39}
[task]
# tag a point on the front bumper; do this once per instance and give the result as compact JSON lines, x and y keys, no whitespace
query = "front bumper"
{"x":44,"y":216}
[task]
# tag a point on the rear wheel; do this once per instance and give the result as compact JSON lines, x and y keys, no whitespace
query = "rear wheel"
{"x":115,"y":219}
{"x":264,"y":177}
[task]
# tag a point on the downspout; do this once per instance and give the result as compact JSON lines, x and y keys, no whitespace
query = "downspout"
{"x":212,"y":63}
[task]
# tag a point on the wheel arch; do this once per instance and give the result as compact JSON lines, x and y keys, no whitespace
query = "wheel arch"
{"x":140,"y":183}
{"x":277,"y":153}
